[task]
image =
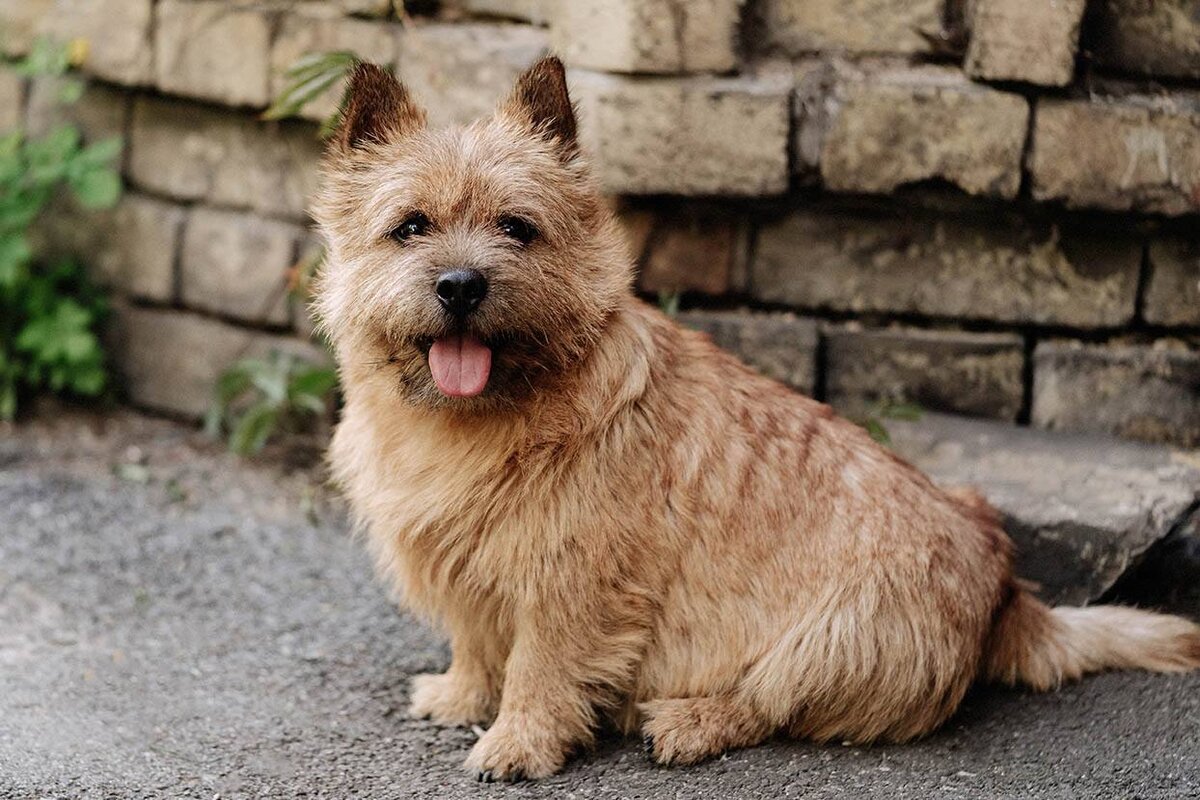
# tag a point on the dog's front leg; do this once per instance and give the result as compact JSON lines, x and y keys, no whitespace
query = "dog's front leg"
{"x":469,"y":692}
{"x":564,"y":658}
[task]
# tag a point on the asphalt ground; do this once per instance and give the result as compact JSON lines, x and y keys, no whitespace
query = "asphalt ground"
{"x":178,"y":623}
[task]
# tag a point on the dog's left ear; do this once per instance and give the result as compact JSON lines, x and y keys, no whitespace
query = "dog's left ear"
{"x":541,"y":100}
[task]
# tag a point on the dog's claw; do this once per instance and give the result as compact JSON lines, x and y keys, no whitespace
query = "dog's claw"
{"x":484,"y":776}
{"x":648,"y":745}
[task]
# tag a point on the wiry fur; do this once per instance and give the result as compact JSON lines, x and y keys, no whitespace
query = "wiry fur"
{"x":629,"y":521}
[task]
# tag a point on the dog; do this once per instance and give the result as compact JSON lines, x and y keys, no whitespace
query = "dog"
{"x":611,"y":518}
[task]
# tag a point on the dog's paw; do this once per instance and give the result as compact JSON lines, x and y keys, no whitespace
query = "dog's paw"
{"x":515,"y":751}
{"x":449,"y":700}
{"x":691,"y":729}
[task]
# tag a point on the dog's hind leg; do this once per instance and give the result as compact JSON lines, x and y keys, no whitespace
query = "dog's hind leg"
{"x":690,"y":729}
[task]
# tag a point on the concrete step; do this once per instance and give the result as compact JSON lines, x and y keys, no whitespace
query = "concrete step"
{"x":1084,"y":510}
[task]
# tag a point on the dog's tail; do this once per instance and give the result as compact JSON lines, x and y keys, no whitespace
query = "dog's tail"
{"x":1042,"y":647}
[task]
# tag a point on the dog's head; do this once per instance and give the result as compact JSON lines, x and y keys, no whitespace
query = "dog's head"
{"x":466,"y":267}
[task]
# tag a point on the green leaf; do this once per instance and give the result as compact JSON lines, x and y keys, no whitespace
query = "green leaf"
{"x":903,"y":411}
{"x":15,"y":255}
{"x":69,"y":91}
{"x":877,"y":431}
{"x":101,"y":153}
{"x":254,"y":429}
{"x":97,"y":188}
{"x":314,"y":381}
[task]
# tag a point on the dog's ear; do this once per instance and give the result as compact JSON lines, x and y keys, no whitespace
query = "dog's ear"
{"x":376,"y":108}
{"x":541,"y":100}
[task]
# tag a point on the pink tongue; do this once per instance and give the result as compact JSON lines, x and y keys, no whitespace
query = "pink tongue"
{"x":460,"y":365}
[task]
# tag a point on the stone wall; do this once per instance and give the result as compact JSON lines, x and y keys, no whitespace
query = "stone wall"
{"x":986,"y":207}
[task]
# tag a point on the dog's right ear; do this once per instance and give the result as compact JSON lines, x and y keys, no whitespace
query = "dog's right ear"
{"x":376,"y":108}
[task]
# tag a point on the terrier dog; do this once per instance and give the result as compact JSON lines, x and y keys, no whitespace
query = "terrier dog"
{"x":610,"y":516}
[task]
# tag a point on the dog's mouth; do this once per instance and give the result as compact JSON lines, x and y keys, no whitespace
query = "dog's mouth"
{"x":460,"y":364}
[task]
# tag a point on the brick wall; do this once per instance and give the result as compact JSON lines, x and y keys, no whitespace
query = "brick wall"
{"x":986,"y":207}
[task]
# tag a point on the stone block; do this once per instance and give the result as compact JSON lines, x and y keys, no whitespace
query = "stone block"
{"x":196,"y":153}
{"x":1161,"y":37}
{"x":693,"y":249}
{"x":1146,"y":392}
{"x":236,"y":265}
{"x":117,"y":33}
{"x":12,"y":100}
{"x":302,"y":34}
{"x":1081,"y":508}
{"x":1173,"y":290}
{"x":854,"y":26}
{"x":21,"y":23}
{"x":170,"y":360}
{"x":1033,"y":41}
{"x":979,"y":374}
{"x":213,"y":50}
{"x":779,"y":345}
{"x":894,"y":260}
{"x":638,"y":224}
{"x":101,"y":112}
{"x":689,"y":136}
{"x":899,"y":127}
{"x":648,"y":36}
{"x":1124,"y":154}
{"x":461,"y":72}
{"x":535,"y":11}
{"x":130,"y":248}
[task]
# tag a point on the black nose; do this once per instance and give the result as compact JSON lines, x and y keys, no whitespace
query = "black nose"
{"x":461,"y":290}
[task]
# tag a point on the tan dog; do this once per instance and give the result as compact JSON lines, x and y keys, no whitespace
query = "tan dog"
{"x":611,"y":516}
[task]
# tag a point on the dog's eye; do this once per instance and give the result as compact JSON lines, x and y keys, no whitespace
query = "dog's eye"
{"x":517,"y":229}
{"x":413,"y":225}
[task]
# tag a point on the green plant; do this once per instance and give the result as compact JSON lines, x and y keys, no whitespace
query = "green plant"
{"x":50,"y":312}
{"x":873,"y":418}
{"x":308,"y":79}
{"x":259,"y":398}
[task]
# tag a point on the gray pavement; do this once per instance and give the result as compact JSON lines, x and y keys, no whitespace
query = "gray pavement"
{"x":176,"y":623}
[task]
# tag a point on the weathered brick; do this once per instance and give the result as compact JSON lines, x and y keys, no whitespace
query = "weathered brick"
{"x":1147,"y":392}
{"x":101,"y":112}
{"x":461,"y":72}
{"x":12,"y":99}
{"x":213,"y":50}
{"x":1173,"y":291}
{"x":780,"y":346}
{"x":302,"y":34}
{"x":196,"y":153}
{"x":638,"y":224}
{"x":1161,"y":37}
{"x":536,"y":11}
{"x":980,"y":374}
{"x":237,"y":265}
{"x":140,"y":247}
{"x":1133,"y":153}
{"x":693,"y":249}
{"x":366,"y":8}
{"x":117,"y":33}
{"x":690,"y":136}
{"x":648,"y":35}
{"x":170,"y":360}
{"x":21,"y":24}
{"x":859,"y":26}
{"x":904,"y":126}
{"x":896,"y":261}
{"x":1024,"y":40}
{"x":130,"y":248}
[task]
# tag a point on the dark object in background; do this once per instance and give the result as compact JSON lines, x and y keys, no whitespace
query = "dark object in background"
{"x":1167,"y":576}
